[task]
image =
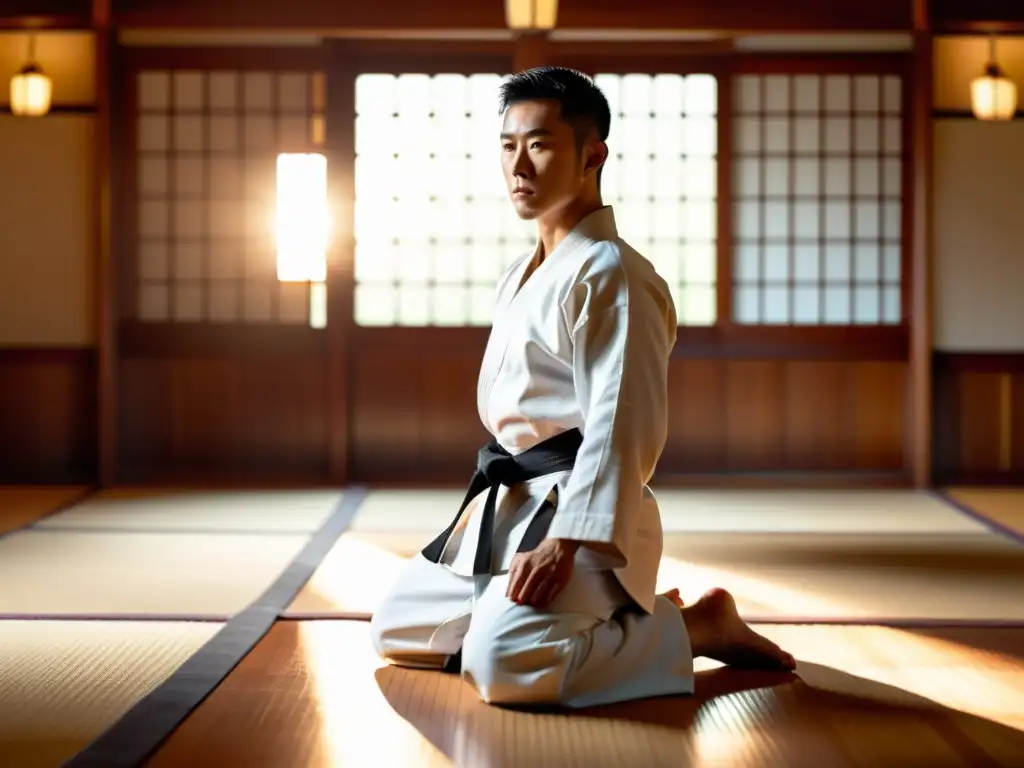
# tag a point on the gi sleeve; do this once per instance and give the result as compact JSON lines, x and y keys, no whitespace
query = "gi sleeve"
{"x":620,"y":369}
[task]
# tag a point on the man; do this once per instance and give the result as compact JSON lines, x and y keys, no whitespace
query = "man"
{"x":542,"y":591}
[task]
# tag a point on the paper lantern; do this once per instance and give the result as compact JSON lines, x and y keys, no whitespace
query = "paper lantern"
{"x":31,"y":91}
{"x":993,"y":95}
{"x":531,"y":14}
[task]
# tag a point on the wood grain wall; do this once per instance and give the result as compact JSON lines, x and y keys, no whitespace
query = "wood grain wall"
{"x":415,"y":420}
{"x":229,"y":405}
{"x":979,"y":418}
{"x":817,"y":419}
{"x":47,"y":415}
{"x":263,"y":416}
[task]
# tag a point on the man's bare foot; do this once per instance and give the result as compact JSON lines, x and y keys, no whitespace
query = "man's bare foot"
{"x":717,"y":632}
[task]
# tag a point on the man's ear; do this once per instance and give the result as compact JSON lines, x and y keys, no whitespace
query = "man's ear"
{"x":597,"y":153}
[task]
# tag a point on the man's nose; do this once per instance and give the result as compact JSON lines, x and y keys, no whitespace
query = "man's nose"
{"x":522,"y":167}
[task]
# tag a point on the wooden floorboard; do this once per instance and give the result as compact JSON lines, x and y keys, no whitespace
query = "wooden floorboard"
{"x":1004,"y":506}
{"x":313,"y":694}
{"x":24,"y":505}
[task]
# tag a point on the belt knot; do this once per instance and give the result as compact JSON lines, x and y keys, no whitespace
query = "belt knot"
{"x":499,"y":466}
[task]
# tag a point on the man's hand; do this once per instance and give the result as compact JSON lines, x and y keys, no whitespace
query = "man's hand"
{"x":536,"y":578}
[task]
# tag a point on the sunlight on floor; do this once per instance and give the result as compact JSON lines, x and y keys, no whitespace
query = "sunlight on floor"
{"x":753,"y":596}
{"x":354,"y":578}
{"x":351,"y":707}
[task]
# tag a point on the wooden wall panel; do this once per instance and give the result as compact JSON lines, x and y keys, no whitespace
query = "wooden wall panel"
{"x":979,"y":418}
{"x":413,"y":410}
{"x":696,"y":431}
{"x":785,"y":416}
{"x":47,"y":416}
{"x":255,"y":418}
{"x":414,"y":415}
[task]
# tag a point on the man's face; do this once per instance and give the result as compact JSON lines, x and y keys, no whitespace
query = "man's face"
{"x":544,"y":167}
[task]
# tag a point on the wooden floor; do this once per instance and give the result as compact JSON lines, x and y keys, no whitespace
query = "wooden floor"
{"x":1004,"y":506}
{"x":312,"y":694}
{"x":21,"y":506}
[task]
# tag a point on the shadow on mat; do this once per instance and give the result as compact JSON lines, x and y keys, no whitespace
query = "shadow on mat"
{"x":817,"y":717}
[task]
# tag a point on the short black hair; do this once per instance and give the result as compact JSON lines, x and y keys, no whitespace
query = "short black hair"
{"x":583,"y":104}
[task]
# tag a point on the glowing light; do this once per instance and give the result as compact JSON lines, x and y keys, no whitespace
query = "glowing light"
{"x":31,"y":92}
{"x":531,"y":14}
{"x":993,"y":96}
{"x":302,"y":218}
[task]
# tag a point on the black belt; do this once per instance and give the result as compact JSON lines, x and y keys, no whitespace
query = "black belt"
{"x":497,"y":467}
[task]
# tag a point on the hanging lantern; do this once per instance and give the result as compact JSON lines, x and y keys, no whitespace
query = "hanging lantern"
{"x":993,"y":94}
{"x":531,"y":14}
{"x":31,"y":92}
{"x":31,"y":89}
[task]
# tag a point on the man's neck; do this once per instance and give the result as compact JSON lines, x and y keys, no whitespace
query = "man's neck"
{"x":554,"y":229}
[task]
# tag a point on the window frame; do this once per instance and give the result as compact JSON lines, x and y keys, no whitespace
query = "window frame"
{"x":172,"y":338}
{"x":726,"y":338}
{"x":343,"y":61}
{"x":662,"y":58}
{"x":864,"y":342}
{"x":351,"y":59}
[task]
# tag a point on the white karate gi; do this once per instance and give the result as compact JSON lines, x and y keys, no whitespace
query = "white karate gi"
{"x":582,"y":342}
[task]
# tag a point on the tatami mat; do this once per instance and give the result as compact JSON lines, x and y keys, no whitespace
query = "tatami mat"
{"x":889,"y":556}
{"x":60,"y":572}
{"x":199,"y":511}
{"x":775,"y":577}
{"x":62,"y":684}
{"x":1004,"y":506}
{"x":314,"y":694}
{"x":854,"y":577}
{"x":811,"y":511}
{"x":24,"y":505}
{"x":750,"y":511}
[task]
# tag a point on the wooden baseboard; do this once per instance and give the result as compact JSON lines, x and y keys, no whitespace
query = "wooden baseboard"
{"x":983,"y":479}
{"x":197,"y":478}
{"x":710,"y":481}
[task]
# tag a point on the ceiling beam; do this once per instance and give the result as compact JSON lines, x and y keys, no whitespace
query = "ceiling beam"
{"x":977,"y":17}
{"x":723,"y":16}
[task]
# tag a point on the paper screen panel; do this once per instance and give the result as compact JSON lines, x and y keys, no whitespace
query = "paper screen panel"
{"x":206,"y":148}
{"x":817,"y":199}
{"x":434,"y":228}
{"x":661,"y":177}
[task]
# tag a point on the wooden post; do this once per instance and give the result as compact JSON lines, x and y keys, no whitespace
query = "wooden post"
{"x":340,"y":118}
{"x":531,"y":50}
{"x":103,"y":243}
{"x":920,"y":358}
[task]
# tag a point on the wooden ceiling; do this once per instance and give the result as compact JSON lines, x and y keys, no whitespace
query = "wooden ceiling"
{"x":727,"y":16}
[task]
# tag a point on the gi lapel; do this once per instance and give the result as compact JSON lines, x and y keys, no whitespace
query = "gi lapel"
{"x":501,"y":334}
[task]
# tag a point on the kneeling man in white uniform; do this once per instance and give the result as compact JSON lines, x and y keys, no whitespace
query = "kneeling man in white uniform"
{"x":542,"y":590}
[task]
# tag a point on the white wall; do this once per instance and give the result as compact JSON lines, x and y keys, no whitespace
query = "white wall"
{"x":979,"y":235}
{"x":47,"y":295}
{"x":978,"y":226}
{"x":46,"y":211}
